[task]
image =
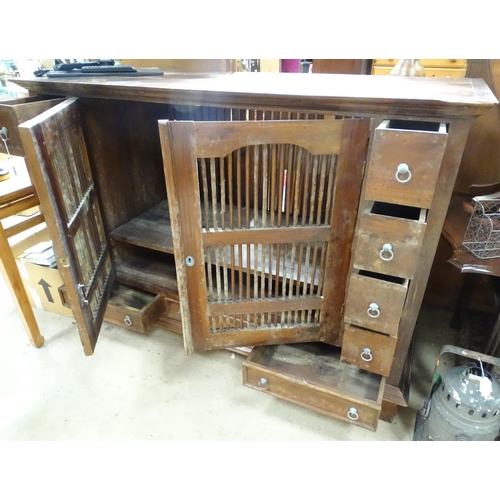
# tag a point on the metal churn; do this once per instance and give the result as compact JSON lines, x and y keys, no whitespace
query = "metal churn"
{"x":464,"y":402}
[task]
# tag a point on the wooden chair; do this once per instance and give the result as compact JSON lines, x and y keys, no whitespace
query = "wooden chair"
{"x":18,"y":195}
{"x":455,"y":225}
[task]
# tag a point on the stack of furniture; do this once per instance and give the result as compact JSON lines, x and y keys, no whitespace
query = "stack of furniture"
{"x":295,"y":213}
{"x":437,"y":68}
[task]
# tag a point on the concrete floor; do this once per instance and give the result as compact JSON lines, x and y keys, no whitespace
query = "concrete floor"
{"x":139,"y":387}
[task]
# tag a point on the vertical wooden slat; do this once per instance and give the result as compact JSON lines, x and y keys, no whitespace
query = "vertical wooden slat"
{"x":348,"y":179}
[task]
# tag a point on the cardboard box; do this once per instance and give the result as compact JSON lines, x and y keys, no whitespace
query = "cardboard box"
{"x":41,"y":282}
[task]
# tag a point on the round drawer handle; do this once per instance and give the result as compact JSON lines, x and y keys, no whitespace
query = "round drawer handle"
{"x":366,"y":355}
{"x":262,"y":383}
{"x":352,"y":414}
{"x":403,"y":173}
{"x":386,"y":253}
{"x":373,"y":311}
{"x":128,"y":321}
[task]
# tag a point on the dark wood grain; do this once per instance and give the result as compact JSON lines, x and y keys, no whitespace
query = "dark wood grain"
{"x":357,"y":95}
{"x":15,"y":111}
{"x":123,"y":145}
{"x":57,"y":157}
{"x":345,"y":208}
{"x":356,"y":340}
{"x":145,"y":273}
{"x":151,"y":229}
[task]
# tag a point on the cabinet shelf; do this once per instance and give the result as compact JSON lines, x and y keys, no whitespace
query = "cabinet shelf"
{"x":150,"y":274}
{"x":151,"y":229}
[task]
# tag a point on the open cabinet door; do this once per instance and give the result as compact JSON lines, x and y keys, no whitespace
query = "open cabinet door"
{"x":263,"y":216}
{"x":59,"y":167}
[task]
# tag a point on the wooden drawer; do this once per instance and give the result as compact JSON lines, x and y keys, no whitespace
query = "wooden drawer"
{"x":374,"y":232}
{"x":368,"y":350}
{"x":397,"y":144}
{"x":375,"y":304}
{"x":170,"y":318}
{"x":134,"y":309}
{"x":312,"y":375}
{"x":13,"y":112}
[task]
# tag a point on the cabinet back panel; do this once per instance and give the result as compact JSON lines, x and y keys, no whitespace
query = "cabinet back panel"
{"x":124,"y":150}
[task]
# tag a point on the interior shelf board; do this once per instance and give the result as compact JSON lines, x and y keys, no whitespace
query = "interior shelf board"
{"x":152,"y":275}
{"x":151,"y":229}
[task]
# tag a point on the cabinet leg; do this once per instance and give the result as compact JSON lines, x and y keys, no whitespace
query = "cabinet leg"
{"x":15,"y":284}
{"x":388,"y":411}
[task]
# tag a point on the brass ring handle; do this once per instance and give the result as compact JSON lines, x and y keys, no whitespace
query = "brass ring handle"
{"x":262,"y":383}
{"x":403,"y":170}
{"x":373,"y":311}
{"x":352,"y":414}
{"x":386,"y":253}
{"x":366,"y":355}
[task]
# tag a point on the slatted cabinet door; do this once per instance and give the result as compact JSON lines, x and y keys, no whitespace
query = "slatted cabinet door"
{"x":58,"y":163}
{"x":263,"y":217}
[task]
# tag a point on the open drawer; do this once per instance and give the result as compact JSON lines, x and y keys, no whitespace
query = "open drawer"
{"x":15,"y":111}
{"x":375,"y":303}
{"x":311,"y":375}
{"x":405,"y":162}
{"x":134,"y":309}
{"x":368,"y":350}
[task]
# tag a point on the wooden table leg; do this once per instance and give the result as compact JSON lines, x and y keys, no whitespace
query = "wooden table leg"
{"x":14,"y":281}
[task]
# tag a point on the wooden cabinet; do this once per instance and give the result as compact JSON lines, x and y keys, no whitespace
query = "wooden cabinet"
{"x":261,"y":211}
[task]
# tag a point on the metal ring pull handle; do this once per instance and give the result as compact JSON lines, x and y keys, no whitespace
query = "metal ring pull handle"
{"x":403,"y":173}
{"x":366,"y":355}
{"x":373,"y":311}
{"x":386,"y":253}
{"x":128,"y":321}
{"x":352,"y":414}
{"x":262,"y":383}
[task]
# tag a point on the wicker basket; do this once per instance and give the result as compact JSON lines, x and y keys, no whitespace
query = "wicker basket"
{"x":482,"y":237}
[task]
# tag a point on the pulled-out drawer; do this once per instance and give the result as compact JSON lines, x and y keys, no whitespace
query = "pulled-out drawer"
{"x":405,"y":162}
{"x":388,"y":245}
{"x":134,"y":309}
{"x":311,"y":375}
{"x":368,"y":350}
{"x":375,"y":303}
{"x":13,"y":112}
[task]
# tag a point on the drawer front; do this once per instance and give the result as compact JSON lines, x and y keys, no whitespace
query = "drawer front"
{"x":313,"y":398}
{"x":173,"y":309}
{"x":134,"y":309}
{"x":368,"y":350}
{"x":374,"y":304}
{"x":388,"y":245}
{"x":404,"y":166}
{"x":13,"y":112}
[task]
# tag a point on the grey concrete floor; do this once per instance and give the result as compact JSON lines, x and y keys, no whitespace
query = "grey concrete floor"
{"x":139,"y":387}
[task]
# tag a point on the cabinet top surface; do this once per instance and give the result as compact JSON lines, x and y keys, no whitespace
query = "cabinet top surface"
{"x":360,"y":95}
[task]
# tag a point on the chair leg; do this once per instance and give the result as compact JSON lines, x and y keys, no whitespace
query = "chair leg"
{"x":14,"y":281}
{"x":463,"y":300}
